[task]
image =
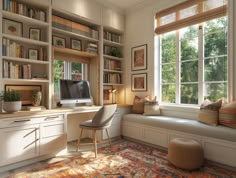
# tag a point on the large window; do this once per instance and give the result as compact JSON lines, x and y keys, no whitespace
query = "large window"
{"x":194,"y":63}
{"x":66,"y":70}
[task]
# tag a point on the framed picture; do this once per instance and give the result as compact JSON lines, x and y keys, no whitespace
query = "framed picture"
{"x":76,"y":44}
{"x":139,"y":57}
{"x":58,"y":41}
{"x":34,"y":33}
{"x":107,"y":95}
{"x":26,"y":92}
{"x":33,"y":54}
{"x":12,"y":27}
{"x":139,"y":82}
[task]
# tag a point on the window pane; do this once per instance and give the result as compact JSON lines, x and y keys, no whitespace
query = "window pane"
{"x":216,"y":69}
{"x":168,"y":47}
{"x":168,"y":93}
{"x":211,"y":4}
{"x":59,"y":70}
{"x":189,"y":43}
{"x":189,"y":93}
{"x":190,"y":11}
{"x":168,"y":19}
{"x":168,"y":73}
{"x":76,"y":71}
{"x":215,"y":91}
{"x":189,"y":71}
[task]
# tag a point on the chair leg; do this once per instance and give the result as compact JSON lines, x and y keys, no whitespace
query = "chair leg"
{"x":108,"y":135}
{"x":78,"y":142}
{"x":95,"y":143}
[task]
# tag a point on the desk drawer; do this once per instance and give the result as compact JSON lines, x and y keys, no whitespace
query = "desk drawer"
{"x":52,"y":129}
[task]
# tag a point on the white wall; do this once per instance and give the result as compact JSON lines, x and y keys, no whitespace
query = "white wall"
{"x":140,"y":30}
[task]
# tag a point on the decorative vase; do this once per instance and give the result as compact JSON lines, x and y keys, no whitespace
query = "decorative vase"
{"x":36,"y":98}
{"x":12,"y":106}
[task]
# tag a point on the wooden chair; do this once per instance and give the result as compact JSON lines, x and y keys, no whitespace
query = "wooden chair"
{"x":102,"y":120}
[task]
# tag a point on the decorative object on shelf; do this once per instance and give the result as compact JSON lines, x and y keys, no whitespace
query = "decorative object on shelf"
{"x":116,"y":52}
{"x":12,"y":27}
{"x":33,"y":54}
{"x":26,"y":92}
{"x":107,"y":98}
{"x":58,"y":41}
{"x":34,"y":33}
{"x":36,"y":97}
{"x":11,"y":101}
{"x":139,"y":82}
{"x":139,"y":57}
{"x":113,"y":95}
{"x":76,"y":44}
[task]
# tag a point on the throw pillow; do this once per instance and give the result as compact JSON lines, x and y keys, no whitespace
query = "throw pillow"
{"x":227,"y":115}
{"x":151,"y":107}
{"x":209,"y":112}
{"x":138,"y":105}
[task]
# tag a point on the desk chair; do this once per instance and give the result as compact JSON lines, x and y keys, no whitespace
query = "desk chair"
{"x":101,"y":120}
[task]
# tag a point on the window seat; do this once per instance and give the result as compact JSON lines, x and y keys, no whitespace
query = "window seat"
{"x":218,"y":142}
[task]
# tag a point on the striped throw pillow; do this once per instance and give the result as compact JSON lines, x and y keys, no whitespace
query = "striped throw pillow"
{"x":227,"y":115}
{"x":138,"y":105}
{"x":209,"y":112}
{"x":151,"y":107}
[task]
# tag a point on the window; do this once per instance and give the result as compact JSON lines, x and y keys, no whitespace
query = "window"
{"x":66,"y":70}
{"x":193,"y":63}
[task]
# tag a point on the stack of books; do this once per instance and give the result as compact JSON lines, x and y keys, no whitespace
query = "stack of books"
{"x":92,"y":48}
{"x":35,"y":108}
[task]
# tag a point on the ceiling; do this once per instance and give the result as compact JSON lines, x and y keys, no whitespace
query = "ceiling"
{"x":124,"y":4}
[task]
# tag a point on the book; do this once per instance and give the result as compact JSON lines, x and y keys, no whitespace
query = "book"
{"x":35,"y":108}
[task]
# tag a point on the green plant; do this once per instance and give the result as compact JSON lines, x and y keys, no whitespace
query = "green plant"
{"x":10,"y":95}
{"x":116,"y":52}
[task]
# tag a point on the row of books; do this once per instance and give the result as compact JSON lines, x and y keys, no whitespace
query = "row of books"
{"x":23,"y":9}
{"x":112,"y":78}
{"x":112,"y":65}
{"x":16,"y":71}
{"x":92,"y":48}
{"x":112,"y":37}
{"x":14,"y":49}
{"x":75,"y":27}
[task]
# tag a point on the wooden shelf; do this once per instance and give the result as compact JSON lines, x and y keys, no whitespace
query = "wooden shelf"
{"x":114,"y":84}
{"x":71,"y":34}
{"x":25,"y":80}
{"x":17,"y":59}
{"x":25,"y":40}
{"x":112,"y":43}
{"x":22,"y":18}
{"x":113,"y":57}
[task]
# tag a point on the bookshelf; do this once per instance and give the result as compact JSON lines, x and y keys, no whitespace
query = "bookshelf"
{"x":25,"y":45}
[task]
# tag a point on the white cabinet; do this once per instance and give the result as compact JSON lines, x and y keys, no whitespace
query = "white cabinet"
{"x":19,"y":143}
{"x":111,"y":18}
{"x":89,"y":9}
{"x":25,"y":138}
{"x":115,"y":128}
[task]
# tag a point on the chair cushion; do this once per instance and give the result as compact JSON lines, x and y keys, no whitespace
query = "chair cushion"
{"x":227,"y":115}
{"x":89,"y":125}
{"x":183,"y":125}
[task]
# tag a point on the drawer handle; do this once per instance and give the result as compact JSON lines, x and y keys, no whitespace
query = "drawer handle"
{"x":23,"y":120}
{"x":51,"y":118}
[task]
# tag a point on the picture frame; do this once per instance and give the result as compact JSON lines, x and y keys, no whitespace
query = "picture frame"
{"x":58,"y":41}
{"x":33,"y":54}
{"x":139,"y":57}
{"x":26,"y":92}
{"x":139,"y":82}
{"x":12,"y":27}
{"x":35,"y":33}
{"x":76,"y":44}
{"x":107,"y":95}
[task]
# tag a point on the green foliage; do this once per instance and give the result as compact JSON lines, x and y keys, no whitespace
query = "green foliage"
{"x":116,"y":52}
{"x":10,"y":95}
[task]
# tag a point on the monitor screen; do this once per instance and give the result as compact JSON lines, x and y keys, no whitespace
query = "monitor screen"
{"x":74,"y":91}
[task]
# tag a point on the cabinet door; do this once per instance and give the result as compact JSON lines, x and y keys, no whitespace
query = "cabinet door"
{"x":18,"y":143}
{"x":90,"y":10}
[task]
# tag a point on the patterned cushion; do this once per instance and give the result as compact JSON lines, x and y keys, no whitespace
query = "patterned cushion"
{"x":227,"y":115}
{"x":209,"y":112}
{"x":151,"y":107}
{"x":138,"y":105}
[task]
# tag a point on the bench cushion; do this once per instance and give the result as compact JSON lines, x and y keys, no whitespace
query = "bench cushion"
{"x":183,"y":125}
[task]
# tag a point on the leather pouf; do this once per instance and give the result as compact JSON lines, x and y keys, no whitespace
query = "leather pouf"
{"x":185,"y":153}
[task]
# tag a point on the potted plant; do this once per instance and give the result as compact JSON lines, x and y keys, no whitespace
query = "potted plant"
{"x":11,"y":101}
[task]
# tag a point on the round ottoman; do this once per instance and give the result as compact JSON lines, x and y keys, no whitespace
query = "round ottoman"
{"x":185,"y":153}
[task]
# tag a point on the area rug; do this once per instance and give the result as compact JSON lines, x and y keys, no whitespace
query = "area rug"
{"x":125,"y":159}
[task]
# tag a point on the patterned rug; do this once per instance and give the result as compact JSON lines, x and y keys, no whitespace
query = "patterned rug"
{"x":125,"y":159}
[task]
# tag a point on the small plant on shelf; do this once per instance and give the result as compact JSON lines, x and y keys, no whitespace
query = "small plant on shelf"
{"x":11,"y":101}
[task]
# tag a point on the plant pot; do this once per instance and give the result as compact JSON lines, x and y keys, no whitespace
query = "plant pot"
{"x":12,"y":106}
